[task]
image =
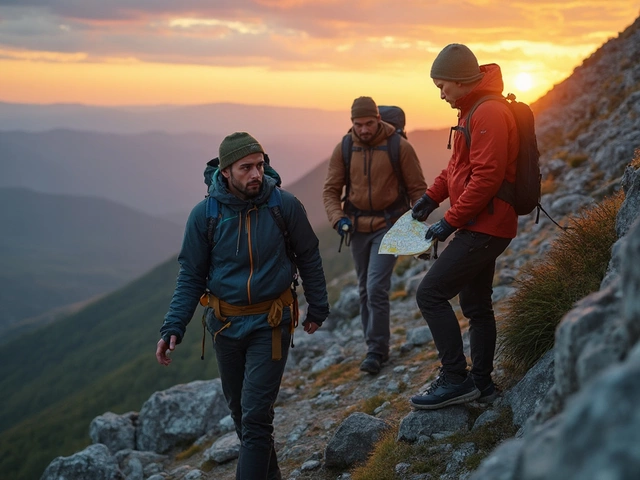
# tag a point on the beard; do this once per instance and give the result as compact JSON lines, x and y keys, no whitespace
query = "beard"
{"x":250,"y":190}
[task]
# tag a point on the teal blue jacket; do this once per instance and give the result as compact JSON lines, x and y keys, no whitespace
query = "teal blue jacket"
{"x":248,"y":263}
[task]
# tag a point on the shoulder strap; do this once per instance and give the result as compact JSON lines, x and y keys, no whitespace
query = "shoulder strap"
{"x":275,"y":207}
{"x":212,"y":214}
{"x":393,"y":150}
{"x":466,"y":130}
{"x":347,"y":148}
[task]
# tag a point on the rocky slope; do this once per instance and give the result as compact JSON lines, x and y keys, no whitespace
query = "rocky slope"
{"x":572,"y":416}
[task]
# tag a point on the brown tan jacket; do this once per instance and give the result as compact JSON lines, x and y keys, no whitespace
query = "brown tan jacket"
{"x":374,"y":184}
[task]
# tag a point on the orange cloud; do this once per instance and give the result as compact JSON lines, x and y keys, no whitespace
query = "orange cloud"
{"x":314,"y":53}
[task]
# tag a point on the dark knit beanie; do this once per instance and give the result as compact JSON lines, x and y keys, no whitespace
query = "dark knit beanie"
{"x":364,"y":107}
{"x":456,"y":63}
{"x":236,"y":146}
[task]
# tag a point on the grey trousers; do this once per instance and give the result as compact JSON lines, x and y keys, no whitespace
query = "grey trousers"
{"x":374,"y":282}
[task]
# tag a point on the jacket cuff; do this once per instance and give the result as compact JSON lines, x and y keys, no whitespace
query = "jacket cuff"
{"x":166,"y":334}
{"x":312,"y":318}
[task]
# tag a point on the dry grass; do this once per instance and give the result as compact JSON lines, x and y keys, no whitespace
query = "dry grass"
{"x":548,"y":287}
{"x":189,"y":452}
{"x":386,"y":455}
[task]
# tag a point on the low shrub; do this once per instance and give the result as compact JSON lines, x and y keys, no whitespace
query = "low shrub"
{"x":548,"y":287}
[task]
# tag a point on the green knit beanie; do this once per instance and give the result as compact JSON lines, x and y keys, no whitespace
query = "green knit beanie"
{"x":456,"y":63}
{"x":237,"y":146}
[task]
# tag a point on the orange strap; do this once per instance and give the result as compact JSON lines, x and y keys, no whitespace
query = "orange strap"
{"x":274,"y":308}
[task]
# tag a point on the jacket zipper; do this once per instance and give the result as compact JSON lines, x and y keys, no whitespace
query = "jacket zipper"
{"x":250,"y":247}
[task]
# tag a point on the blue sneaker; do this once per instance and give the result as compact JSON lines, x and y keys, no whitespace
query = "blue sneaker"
{"x":442,"y":392}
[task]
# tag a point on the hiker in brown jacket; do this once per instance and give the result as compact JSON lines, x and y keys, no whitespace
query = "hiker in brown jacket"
{"x":377,"y":194}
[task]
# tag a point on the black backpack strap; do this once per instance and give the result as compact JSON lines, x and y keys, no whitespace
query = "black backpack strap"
{"x":347,"y":148}
{"x":393,"y":149}
{"x":466,"y":130}
{"x":274,"y":204}
{"x":213,"y":215}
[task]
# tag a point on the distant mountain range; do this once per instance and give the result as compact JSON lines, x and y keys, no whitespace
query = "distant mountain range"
{"x":162,"y":174}
{"x":56,"y":250}
{"x":157,"y":173}
{"x":217,"y":119}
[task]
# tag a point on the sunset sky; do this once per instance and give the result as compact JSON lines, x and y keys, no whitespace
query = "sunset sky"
{"x":307,"y":53}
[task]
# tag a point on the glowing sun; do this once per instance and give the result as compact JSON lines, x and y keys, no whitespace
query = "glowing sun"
{"x":524,"y":81}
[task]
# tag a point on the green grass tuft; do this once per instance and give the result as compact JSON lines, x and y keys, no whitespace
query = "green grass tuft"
{"x":549,"y":287}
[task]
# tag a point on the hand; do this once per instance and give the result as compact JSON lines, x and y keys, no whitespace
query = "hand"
{"x":163,"y":348}
{"x":310,"y":327}
{"x":440,"y":230}
{"x":423,"y":208}
{"x":344,"y":226}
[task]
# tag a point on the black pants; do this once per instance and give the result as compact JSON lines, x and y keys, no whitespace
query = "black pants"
{"x":465,"y":268}
{"x":250,"y":382}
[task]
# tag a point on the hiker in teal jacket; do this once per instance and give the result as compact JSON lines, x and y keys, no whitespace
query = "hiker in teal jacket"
{"x":239,"y":266}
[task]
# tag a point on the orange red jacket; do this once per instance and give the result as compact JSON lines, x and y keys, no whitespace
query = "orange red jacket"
{"x":474,"y":175}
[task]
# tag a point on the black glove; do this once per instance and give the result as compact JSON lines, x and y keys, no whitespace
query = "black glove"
{"x":423,"y":208}
{"x":340,"y":226}
{"x":440,"y":230}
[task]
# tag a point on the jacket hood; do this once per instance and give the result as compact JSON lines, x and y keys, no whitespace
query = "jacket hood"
{"x":491,"y":84}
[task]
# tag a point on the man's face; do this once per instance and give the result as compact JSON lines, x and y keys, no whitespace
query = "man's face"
{"x":245,"y":176}
{"x":451,"y":91}
{"x":365,"y":127}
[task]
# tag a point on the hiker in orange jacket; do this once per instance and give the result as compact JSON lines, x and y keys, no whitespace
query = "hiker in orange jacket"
{"x":484,"y":226}
{"x":375,"y":201}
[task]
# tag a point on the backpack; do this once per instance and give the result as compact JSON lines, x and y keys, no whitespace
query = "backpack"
{"x":274,"y":204}
{"x":524,"y":194}
{"x":396,"y":117}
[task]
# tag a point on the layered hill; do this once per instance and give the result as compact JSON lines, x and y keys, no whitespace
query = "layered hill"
{"x":101,"y":358}
{"x":56,"y":250}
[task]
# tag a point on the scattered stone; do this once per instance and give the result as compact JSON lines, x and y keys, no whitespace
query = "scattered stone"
{"x":354,"y":440}
{"x":94,"y":462}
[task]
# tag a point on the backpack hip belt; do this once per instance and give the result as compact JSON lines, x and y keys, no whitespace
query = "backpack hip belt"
{"x":390,"y":214}
{"x":274,"y":308}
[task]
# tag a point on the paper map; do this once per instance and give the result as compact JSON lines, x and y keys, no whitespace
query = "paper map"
{"x":406,"y":237}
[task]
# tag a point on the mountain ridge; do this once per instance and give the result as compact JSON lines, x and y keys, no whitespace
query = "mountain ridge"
{"x":70,"y":248}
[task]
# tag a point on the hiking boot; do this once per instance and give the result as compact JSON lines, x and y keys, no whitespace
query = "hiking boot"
{"x":488,"y":394}
{"x":373,"y":363}
{"x":443,"y":392}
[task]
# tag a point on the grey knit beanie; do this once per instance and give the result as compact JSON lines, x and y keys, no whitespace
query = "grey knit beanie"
{"x":236,"y":146}
{"x":456,"y":63}
{"x":364,"y":107}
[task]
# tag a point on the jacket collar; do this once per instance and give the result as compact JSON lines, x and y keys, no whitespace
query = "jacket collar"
{"x":491,"y":84}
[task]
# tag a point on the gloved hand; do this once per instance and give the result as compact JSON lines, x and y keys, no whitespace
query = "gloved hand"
{"x":423,"y":208}
{"x":340,"y":226}
{"x":440,"y":230}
